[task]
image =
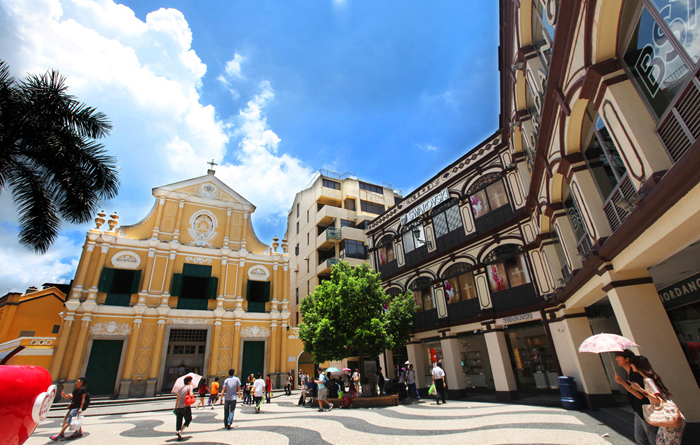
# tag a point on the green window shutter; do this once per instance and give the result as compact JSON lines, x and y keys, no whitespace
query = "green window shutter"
{"x":266,"y":292}
{"x":212,"y":286}
{"x":196,"y":270}
{"x":105,"y":280}
{"x":176,"y":288}
{"x":135,"y":282}
{"x":247,"y":292}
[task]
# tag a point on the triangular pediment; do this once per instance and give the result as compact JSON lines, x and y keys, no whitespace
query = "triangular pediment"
{"x":205,"y":187}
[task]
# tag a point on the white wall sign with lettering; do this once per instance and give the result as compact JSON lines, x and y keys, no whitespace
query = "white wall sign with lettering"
{"x":425,"y":207}
{"x":126,"y":259}
{"x":518,"y":318}
{"x":258,"y":273}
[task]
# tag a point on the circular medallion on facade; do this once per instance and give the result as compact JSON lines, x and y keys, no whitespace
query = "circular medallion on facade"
{"x":208,"y":190}
{"x":202,"y":228}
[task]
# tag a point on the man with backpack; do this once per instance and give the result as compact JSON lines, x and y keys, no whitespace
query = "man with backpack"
{"x":80,"y":400}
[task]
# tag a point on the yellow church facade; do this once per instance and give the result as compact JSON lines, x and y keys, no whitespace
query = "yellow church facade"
{"x":189,"y":288}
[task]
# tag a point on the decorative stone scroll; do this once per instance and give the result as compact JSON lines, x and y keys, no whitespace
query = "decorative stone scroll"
{"x":255,"y":331}
{"x":258,"y":273}
{"x":110,"y":328}
{"x":197,"y":260}
{"x":126,"y":259}
{"x":190,"y":321}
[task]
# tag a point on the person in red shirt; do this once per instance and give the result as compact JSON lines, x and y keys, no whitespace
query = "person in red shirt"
{"x":268,"y":388}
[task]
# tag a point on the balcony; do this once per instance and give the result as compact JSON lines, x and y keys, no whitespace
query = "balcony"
{"x":515,"y":298}
{"x":353,"y":234}
{"x":328,"y":214}
{"x":617,"y":207}
{"x":325,"y":267}
{"x":680,"y":128}
{"x":328,"y":238}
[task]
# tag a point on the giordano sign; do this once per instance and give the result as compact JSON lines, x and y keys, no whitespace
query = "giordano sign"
{"x":432,"y":202}
{"x":681,"y":293}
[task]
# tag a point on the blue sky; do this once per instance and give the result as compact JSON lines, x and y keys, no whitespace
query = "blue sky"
{"x":272,"y":90}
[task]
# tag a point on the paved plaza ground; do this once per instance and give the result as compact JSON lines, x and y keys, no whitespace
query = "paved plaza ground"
{"x":283,"y":422}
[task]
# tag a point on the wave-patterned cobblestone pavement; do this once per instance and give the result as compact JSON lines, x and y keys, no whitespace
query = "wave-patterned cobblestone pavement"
{"x":282,"y":422}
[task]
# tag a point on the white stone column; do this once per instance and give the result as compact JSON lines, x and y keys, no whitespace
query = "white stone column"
{"x":452,"y":364}
{"x":417,"y":356}
{"x":568,"y":332}
{"x":503,"y":377}
{"x":643,"y":319}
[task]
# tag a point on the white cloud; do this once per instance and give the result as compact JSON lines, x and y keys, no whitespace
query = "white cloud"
{"x":260,"y":174}
{"x":426,"y":147}
{"x":232,"y":72}
{"x":147,"y":78}
{"x":447,"y":98}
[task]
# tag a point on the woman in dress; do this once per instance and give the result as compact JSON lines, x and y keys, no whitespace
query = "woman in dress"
{"x":182,"y":410}
{"x":655,"y":390}
{"x":288,"y":385}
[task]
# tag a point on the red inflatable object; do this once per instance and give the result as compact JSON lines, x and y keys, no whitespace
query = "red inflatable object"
{"x":26,"y":394}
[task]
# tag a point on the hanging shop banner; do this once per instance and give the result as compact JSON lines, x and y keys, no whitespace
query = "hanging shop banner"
{"x":681,"y":293}
{"x":432,"y":202}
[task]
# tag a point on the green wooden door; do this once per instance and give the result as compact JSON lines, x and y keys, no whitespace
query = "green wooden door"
{"x":103,"y":366}
{"x":253,"y":358}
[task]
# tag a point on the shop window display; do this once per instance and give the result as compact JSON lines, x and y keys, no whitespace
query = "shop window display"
{"x":531,"y":356}
{"x":475,"y":360}
{"x":506,"y":273}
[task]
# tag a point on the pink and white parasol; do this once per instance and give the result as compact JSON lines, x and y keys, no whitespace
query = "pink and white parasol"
{"x":606,"y":343}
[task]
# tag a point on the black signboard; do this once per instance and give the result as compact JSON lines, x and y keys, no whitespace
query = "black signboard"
{"x":681,"y":293}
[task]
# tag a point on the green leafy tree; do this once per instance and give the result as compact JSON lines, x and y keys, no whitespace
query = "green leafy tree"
{"x":48,"y":156}
{"x":350,"y":314}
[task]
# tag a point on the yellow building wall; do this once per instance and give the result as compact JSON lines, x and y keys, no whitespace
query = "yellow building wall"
{"x":39,"y":315}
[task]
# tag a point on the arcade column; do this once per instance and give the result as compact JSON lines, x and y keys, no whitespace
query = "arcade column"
{"x":503,"y":377}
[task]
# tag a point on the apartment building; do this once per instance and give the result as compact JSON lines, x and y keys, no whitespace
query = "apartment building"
{"x":327,"y":223}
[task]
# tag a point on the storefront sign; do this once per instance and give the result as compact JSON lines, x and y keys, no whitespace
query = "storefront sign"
{"x":517,"y":318}
{"x":432,"y":202}
{"x":681,"y":293}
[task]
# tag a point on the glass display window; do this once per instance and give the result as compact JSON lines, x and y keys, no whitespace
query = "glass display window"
{"x":506,"y":268}
{"x":531,"y":356}
{"x":480,"y":204}
{"x":686,"y":323}
{"x":474,"y":358}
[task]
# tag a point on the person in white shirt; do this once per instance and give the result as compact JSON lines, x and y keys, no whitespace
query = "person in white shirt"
{"x":259,"y":388}
{"x":439,"y":382}
{"x":411,"y":380}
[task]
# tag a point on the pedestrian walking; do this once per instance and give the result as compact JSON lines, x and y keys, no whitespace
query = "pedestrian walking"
{"x":229,"y":394}
{"x":322,"y":391}
{"x":644,"y":434}
{"x":657,"y":393}
{"x":288,"y":385}
{"x":246,"y":391}
{"x":268,"y":388}
{"x":356,"y":379}
{"x":80,"y":400}
{"x":214,"y":392}
{"x":439,"y":382}
{"x":411,"y":381}
{"x":202,"y":391}
{"x":259,"y":391}
{"x":380,"y":381}
{"x":183,"y":411}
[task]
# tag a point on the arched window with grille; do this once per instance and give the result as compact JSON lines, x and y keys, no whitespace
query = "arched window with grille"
{"x":458,"y":281}
{"x":385,"y":257}
{"x":489,"y":202}
{"x":414,"y":242}
{"x":506,"y":268}
{"x":447,"y":224}
{"x":423,"y":294}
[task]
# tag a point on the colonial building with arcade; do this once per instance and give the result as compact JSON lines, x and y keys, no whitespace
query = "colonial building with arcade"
{"x":581,"y":215}
{"x":189,"y":288}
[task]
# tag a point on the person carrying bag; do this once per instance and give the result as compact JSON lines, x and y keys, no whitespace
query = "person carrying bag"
{"x":661,"y":411}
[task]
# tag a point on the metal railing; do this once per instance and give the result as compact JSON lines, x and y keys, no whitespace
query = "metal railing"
{"x":333,"y":233}
{"x":680,"y":128}
{"x":618,"y":207}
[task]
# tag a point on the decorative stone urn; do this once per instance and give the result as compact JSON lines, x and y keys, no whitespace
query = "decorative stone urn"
{"x":275,"y":243}
{"x":285,"y":246}
{"x":113,"y":221}
{"x":100,"y":218}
